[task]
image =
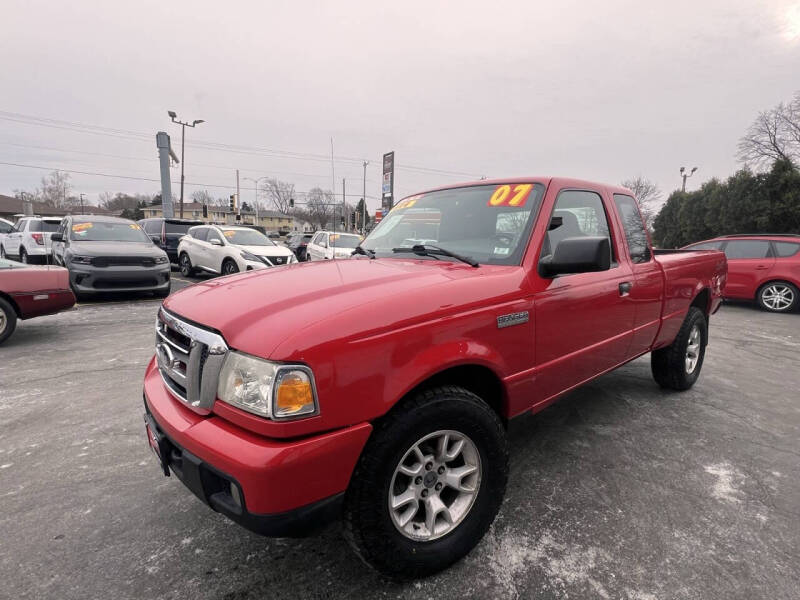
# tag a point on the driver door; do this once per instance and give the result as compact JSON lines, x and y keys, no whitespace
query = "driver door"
{"x":214,"y":253}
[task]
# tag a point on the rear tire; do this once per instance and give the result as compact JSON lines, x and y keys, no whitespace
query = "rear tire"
{"x":678,"y":365}
{"x":23,"y":256}
{"x":8,"y":320}
{"x":778,"y":296}
{"x":465,"y":502}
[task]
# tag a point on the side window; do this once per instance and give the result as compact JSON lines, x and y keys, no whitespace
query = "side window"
{"x":747,"y":249}
{"x":582,"y":214}
{"x":5,"y":227}
{"x":152,"y":227}
{"x":784,"y":249}
{"x":323,"y":240}
{"x":20,"y":226}
{"x":705,"y":246}
{"x":201,"y":233}
{"x":635,"y":234}
{"x":213,"y":234}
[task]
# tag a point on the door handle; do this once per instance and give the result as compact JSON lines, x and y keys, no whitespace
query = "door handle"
{"x":761,"y":267}
{"x":625,"y":288}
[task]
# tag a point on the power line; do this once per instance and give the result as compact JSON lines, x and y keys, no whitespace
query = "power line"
{"x":149,"y":179}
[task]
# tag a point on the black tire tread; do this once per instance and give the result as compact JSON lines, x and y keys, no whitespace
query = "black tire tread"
{"x":11,"y":319}
{"x":667,"y":364}
{"x":355,"y":531}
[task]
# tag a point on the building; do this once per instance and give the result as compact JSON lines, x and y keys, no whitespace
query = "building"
{"x":11,"y":208}
{"x":268,"y":219}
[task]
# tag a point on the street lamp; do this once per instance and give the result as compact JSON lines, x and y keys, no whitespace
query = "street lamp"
{"x":255,"y":205}
{"x":685,"y":176}
{"x":183,"y":125}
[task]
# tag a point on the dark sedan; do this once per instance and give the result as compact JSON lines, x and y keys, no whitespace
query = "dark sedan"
{"x":108,"y":254}
{"x":297,"y":243}
{"x":28,"y":291}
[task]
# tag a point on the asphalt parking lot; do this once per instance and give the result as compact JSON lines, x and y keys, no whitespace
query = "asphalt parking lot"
{"x":620,"y":490}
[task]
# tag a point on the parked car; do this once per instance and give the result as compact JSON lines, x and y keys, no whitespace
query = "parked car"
{"x":166,"y":233}
{"x":109,"y":254}
{"x":5,"y":228}
{"x":762,"y":267}
{"x":28,"y":291}
{"x":298,"y":242}
{"x":29,"y":239}
{"x":224,"y":249}
{"x":379,"y":388}
{"x":327,"y":245}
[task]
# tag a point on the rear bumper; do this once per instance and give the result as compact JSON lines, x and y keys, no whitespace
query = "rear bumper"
{"x":89,"y":279}
{"x":284,"y":488}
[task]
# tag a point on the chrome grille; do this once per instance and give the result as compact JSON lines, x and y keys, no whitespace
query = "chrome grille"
{"x":189,"y":359}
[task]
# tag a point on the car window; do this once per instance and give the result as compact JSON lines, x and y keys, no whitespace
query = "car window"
{"x":582,"y":214}
{"x":705,"y":246}
{"x":323,"y":240}
{"x":153,"y":226}
{"x":172,"y":227}
{"x":107,"y":231}
{"x":19,"y":226}
{"x":343,"y":240}
{"x":5,"y":227}
{"x":635,"y":235}
{"x":784,"y":249}
{"x":201,"y":233}
{"x":213,"y":234}
{"x":747,"y":249}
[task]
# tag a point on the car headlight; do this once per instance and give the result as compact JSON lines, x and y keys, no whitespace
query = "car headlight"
{"x":266,"y":388}
{"x":80,"y":260}
{"x":160,"y":260}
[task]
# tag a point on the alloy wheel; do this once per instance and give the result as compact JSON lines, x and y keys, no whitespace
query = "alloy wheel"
{"x":777,"y":296}
{"x":435,"y":485}
{"x":693,"y":350}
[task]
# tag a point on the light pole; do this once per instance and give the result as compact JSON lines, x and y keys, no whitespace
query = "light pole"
{"x":256,"y":200}
{"x":82,"y":195}
{"x":364,"y":200}
{"x":183,"y":125}
{"x":686,"y":176}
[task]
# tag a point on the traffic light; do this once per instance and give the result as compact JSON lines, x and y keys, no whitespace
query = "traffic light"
{"x":343,"y":221}
{"x":205,"y":211}
{"x":352,"y":220}
{"x":233,"y":203}
{"x":291,"y":202}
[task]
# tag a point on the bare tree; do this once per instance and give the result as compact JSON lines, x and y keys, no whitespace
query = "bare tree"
{"x":203,"y":197}
{"x":774,"y":135}
{"x":280,"y":193}
{"x":647,"y":194}
{"x":56,"y":189}
{"x":105,"y":199}
{"x":319,"y":207}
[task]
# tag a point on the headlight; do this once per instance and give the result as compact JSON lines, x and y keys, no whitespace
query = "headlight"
{"x":160,"y":260}
{"x":80,"y":260}
{"x":247,"y":256}
{"x":267,"y":389}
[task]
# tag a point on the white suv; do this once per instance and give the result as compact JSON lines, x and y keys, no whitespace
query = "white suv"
{"x":29,"y":240}
{"x":228,"y":249}
{"x":327,"y":245}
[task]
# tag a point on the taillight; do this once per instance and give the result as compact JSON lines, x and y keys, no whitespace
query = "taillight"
{"x":38,"y":238}
{"x":164,"y":234}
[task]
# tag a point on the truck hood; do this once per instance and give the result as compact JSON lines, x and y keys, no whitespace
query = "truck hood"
{"x":115,"y":248}
{"x":279,"y":313}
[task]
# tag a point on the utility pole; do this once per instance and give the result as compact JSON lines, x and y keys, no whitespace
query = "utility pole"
{"x":364,"y":200}
{"x":256,"y":200}
{"x":344,"y":205}
{"x":82,"y":195}
{"x":685,"y":176}
{"x":183,"y":125}
{"x":238,"y":197}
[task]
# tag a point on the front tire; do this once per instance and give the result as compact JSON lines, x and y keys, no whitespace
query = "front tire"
{"x":428,"y":484}
{"x":8,"y":320}
{"x":187,"y":270}
{"x":778,"y":296}
{"x":678,"y":365}
{"x":229,"y":267}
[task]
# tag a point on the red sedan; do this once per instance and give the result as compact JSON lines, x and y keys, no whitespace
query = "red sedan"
{"x":764,"y":268}
{"x":28,"y":291}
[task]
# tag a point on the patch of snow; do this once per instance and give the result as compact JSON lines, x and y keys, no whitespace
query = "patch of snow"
{"x":723,"y":488}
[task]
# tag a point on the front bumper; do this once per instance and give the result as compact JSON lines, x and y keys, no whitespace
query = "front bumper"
{"x":284,"y":488}
{"x":89,"y":279}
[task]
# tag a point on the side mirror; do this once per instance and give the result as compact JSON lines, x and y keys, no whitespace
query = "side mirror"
{"x":57,"y":237}
{"x":578,"y":255}
{"x":215,"y":242}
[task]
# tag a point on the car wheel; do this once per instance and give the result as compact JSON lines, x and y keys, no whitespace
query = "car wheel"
{"x":8,"y":320}
{"x":428,"y":484}
{"x":23,"y":256}
{"x":778,"y":296}
{"x":229,"y":267}
{"x":678,"y":365}
{"x":2,"y":251}
{"x":187,"y":270}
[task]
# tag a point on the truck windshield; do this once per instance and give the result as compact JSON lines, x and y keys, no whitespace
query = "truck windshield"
{"x":489,"y":223}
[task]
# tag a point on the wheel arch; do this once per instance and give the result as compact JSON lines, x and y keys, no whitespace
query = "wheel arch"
{"x":702,"y":300}
{"x":13,"y":304}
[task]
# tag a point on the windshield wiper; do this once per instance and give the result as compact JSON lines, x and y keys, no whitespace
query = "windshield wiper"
{"x":431,"y":250}
{"x":365,"y":251}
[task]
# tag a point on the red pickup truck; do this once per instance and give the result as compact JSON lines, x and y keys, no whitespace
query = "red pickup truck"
{"x":378,"y":389}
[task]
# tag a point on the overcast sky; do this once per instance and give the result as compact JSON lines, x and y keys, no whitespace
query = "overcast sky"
{"x":597,"y":90}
